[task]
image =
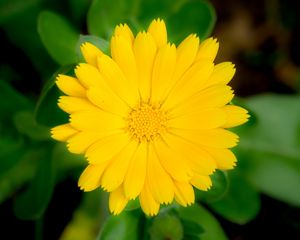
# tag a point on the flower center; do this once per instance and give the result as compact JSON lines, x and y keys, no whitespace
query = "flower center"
{"x":146,"y":122}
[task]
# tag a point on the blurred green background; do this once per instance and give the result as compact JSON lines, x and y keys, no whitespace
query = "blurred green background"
{"x":39,"y":197}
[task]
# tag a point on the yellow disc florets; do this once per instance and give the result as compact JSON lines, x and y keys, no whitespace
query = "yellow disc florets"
{"x":146,"y":122}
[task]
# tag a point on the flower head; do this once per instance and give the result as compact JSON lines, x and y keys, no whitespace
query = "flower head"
{"x":151,"y":119}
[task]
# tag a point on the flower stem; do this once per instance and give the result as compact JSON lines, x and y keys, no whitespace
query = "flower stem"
{"x":39,"y":228}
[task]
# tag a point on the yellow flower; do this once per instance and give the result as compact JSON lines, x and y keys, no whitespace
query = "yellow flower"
{"x":151,"y":119}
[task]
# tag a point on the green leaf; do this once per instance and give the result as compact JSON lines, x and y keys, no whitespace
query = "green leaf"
{"x":79,"y":8}
{"x":11,"y":101}
{"x":11,"y":8}
{"x":47,"y":112}
{"x":122,"y":227}
{"x":101,"y":43}
{"x":133,"y":204}
{"x":241,"y":203}
{"x":281,"y":113}
{"x":18,"y":174}
{"x":192,"y":230}
{"x":32,"y":203}
{"x":151,"y":9}
{"x":183,"y":17}
{"x":66,"y":160}
{"x":269,"y":150}
{"x":11,"y":151}
{"x":166,"y":226}
{"x":58,"y":36}
{"x":22,"y":31}
{"x":198,"y":214}
{"x":25,"y":123}
{"x":196,"y":16}
{"x":68,"y":164}
{"x":220,"y":183}
{"x":192,"y":227}
{"x":191,"y":237}
{"x":275,"y":175}
{"x":104,"y":16}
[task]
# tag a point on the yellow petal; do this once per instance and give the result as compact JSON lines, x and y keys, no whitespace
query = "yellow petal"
{"x":80,"y":142}
{"x":89,"y":76}
{"x":224,"y":158}
{"x":122,"y":54}
{"x":205,"y":119}
{"x":219,"y":138}
{"x":115,"y":78}
{"x":190,"y":83}
{"x":96,"y":121}
{"x":117,"y":201}
{"x":160,"y":183}
{"x":173,"y":163}
{"x":115,"y":172}
{"x":214,"y":96}
{"x":108,"y":102}
{"x":90,"y":53}
{"x":90,"y":178}
{"x":201,"y":182}
{"x":186,"y":53}
{"x":222,"y":74}
{"x":144,"y":49}
{"x":106,"y":148}
{"x":163,"y":68}
{"x":124,"y":31}
{"x":75,"y":104}
{"x":184,"y":193}
{"x":135,"y":177}
{"x":70,"y":86}
{"x":208,"y":50}
{"x":63,"y":132}
{"x":158,"y":31}
{"x":235,"y":116}
{"x":148,"y":203}
{"x":198,"y":160}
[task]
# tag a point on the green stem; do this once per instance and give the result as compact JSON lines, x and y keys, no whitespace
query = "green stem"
{"x":39,"y":229}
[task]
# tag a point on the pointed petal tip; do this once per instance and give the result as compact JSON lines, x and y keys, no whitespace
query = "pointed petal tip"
{"x":104,"y":187}
{"x":190,"y":203}
{"x":152,"y":212}
{"x":131,"y":197}
{"x":158,"y":19}
{"x":115,"y":213}
{"x":77,"y":67}
{"x":62,"y":132}
{"x":192,"y":36}
{"x":168,"y":202}
{"x":82,"y":188}
{"x":59,"y":80}
{"x":83,"y":45}
{"x":206,"y":189}
{"x":214,"y":40}
{"x":122,"y":25}
{"x":125,"y":31}
{"x":58,"y":77}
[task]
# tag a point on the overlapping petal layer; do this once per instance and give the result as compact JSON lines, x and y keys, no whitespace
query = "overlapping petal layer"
{"x":152,"y":119}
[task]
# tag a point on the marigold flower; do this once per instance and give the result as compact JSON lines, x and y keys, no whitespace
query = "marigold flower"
{"x":151,"y":119}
